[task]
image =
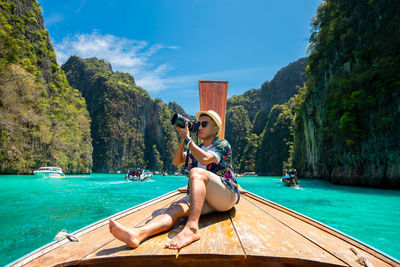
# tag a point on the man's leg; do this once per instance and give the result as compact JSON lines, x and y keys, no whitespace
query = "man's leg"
{"x":198,"y":180}
{"x":133,"y":236}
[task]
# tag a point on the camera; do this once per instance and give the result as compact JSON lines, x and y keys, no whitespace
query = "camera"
{"x":180,"y":121}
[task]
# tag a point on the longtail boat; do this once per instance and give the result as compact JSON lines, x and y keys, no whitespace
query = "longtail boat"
{"x":255,"y":232}
{"x":290,"y":178}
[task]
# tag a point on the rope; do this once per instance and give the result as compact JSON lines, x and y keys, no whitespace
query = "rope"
{"x":63,"y":234}
{"x":361,"y":259}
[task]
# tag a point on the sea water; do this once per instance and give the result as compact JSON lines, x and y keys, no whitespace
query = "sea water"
{"x":33,"y":210}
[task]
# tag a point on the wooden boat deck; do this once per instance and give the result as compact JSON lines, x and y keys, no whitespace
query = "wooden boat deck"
{"x":256,"y":232}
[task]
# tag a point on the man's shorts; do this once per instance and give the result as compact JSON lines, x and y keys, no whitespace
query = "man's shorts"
{"x":219,"y":196}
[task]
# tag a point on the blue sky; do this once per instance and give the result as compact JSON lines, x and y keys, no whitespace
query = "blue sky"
{"x":168,"y":45}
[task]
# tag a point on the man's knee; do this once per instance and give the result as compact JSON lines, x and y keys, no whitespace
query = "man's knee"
{"x":178,"y":208}
{"x":199,"y":174}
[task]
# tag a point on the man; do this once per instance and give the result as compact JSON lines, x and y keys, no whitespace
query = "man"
{"x":212,"y":186}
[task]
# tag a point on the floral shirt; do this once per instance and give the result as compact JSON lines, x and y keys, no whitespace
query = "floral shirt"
{"x":223,"y":168}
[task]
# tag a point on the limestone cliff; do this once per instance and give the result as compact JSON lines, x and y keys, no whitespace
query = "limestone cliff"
{"x":284,"y":85}
{"x":260,"y":140}
{"x":347,"y":125}
{"x":43,"y":121}
{"x":129,"y":129}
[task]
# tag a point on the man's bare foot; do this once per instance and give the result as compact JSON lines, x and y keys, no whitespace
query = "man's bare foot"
{"x":129,"y":236}
{"x":184,"y":238}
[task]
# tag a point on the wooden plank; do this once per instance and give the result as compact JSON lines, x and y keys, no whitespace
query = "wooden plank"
{"x":217,"y":237}
{"x":152,"y":246}
{"x":262,"y":235}
{"x":349,"y":251}
{"x":73,"y":252}
{"x":324,"y":228}
{"x":213,"y":96}
{"x":197,"y":261}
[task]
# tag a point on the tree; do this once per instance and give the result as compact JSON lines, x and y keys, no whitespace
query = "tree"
{"x":238,"y":129}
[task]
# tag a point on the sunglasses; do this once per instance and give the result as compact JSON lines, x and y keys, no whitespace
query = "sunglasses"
{"x":203,"y":124}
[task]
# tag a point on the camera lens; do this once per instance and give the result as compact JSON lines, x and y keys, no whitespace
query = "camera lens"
{"x":180,"y":121}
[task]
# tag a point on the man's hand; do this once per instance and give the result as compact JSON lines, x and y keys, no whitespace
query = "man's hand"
{"x":184,"y":133}
{"x":180,"y":157}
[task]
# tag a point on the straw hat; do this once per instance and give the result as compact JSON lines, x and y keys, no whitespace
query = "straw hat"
{"x":213,"y":115}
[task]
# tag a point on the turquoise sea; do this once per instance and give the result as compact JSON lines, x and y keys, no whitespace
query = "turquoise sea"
{"x":33,"y":210}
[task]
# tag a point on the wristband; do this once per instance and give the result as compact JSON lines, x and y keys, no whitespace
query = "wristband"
{"x":189,"y":143}
{"x":187,"y":140}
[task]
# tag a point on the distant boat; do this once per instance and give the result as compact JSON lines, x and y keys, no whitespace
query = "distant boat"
{"x":138,"y":175}
{"x":290,"y":178}
{"x":146,"y":174}
{"x":49,"y":172}
{"x":249,"y":174}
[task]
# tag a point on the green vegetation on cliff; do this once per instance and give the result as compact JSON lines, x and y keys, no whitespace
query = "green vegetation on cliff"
{"x":260,"y":121}
{"x":237,"y":132}
{"x":276,"y":140}
{"x":347,"y":128}
{"x":128,"y":128}
{"x":43,"y":121}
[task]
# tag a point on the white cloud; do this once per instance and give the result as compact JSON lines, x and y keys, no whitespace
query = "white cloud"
{"x":155,"y":79}
{"x":136,"y":58}
{"x":53,"y":19}
{"x":124,"y":55}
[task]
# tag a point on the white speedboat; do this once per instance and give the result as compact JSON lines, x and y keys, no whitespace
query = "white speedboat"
{"x":49,"y":172}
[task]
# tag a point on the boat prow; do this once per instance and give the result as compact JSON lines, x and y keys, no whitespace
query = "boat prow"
{"x":255,"y":232}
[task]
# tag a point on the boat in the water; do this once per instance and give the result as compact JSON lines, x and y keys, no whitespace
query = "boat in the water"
{"x":249,"y":174}
{"x":49,"y":172}
{"x":138,"y":175}
{"x":290,"y":178}
{"x":256,"y":232}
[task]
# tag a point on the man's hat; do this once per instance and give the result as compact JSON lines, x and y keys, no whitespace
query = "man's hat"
{"x":213,"y":115}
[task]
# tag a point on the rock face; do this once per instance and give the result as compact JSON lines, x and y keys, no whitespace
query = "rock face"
{"x":128,"y":128}
{"x":347,"y":127}
{"x":276,"y":140}
{"x":253,"y":131}
{"x":284,"y":85}
{"x":43,"y":121}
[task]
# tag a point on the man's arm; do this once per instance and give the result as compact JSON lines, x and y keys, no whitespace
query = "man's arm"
{"x":204,"y":158}
{"x":179,"y":157}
